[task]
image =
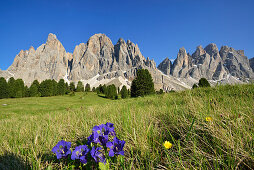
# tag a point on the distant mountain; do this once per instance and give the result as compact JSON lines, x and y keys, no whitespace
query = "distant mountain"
{"x":100,"y":62}
{"x":96,"y":62}
{"x":211,"y":64}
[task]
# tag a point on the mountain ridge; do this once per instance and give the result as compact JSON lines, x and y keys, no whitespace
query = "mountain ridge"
{"x":98,"y":61}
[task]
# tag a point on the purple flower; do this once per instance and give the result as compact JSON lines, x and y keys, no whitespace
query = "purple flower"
{"x":105,"y":129}
{"x":98,"y":155}
{"x":80,"y":153}
{"x":101,"y":134}
{"x":62,"y":149}
{"x":116,"y":147}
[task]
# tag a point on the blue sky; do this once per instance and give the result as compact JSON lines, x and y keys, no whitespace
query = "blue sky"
{"x":159,"y":27}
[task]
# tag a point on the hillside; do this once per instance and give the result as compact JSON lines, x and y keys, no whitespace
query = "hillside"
{"x":29,"y":132}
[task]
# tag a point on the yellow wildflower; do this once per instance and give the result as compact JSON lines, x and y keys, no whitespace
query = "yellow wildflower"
{"x":208,"y":119}
{"x":167,"y":144}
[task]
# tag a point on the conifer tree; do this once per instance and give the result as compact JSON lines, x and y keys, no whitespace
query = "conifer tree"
{"x":3,"y":88}
{"x":143,"y":84}
{"x":72,"y":86}
{"x":111,"y":92}
{"x":11,"y":87}
{"x":67,"y":88}
{"x":80,"y":87}
{"x":61,"y":87}
{"x":34,"y":89}
{"x":54,"y":86}
{"x":203,"y":83}
{"x":19,"y":88}
{"x":87,"y":88}
{"x":194,"y":86}
{"x":124,"y":92}
{"x":27,"y":92}
{"x":46,"y":88}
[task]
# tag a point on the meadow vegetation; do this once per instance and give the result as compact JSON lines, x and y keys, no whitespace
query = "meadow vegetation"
{"x":209,"y":128}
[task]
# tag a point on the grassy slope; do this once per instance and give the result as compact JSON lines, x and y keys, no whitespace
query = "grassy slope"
{"x":28,"y":131}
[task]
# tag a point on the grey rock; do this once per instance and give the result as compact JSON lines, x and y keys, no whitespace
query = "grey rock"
{"x":182,"y":64}
{"x":236,"y":63}
{"x":165,"y":66}
{"x":252,"y":63}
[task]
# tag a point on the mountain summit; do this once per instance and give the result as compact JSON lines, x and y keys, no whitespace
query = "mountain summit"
{"x":100,"y":62}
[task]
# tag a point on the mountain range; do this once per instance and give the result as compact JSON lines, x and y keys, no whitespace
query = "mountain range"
{"x":100,"y":62}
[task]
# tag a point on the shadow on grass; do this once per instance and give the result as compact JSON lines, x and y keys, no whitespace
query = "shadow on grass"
{"x":12,"y":161}
{"x":102,"y":96}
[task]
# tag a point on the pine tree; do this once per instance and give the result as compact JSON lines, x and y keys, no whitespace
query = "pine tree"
{"x":124,"y":92}
{"x":34,"y":89}
{"x":11,"y":87}
{"x":67,"y":88}
{"x":93,"y":90}
{"x":111,"y":92}
{"x":27,"y":92}
{"x":143,"y":84}
{"x":61,"y":87}
{"x":46,"y":88}
{"x":80,"y":87}
{"x":19,"y":88}
{"x":194,"y":86}
{"x":203,"y":83}
{"x":54,"y":85}
{"x":72,"y":86}
{"x":3,"y":88}
{"x":87,"y":88}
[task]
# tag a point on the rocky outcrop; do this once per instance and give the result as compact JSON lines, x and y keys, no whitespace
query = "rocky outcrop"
{"x":165,"y":66}
{"x":98,"y":61}
{"x":252,"y":63}
{"x":49,"y":61}
{"x":182,"y":64}
{"x":210,"y":63}
{"x":236,"y":62}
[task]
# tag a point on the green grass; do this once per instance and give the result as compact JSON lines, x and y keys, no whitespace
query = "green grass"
{"x":30,"y":127}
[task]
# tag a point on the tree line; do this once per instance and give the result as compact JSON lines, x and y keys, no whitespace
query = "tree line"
{"x":142,"y":85}
{"x":17,"y":89}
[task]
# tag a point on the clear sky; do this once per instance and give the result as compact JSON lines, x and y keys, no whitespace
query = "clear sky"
{"x":159,"y":27}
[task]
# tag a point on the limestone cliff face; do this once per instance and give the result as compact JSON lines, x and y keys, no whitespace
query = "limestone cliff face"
{"x":165,"y":66}
{"x":49,"y":61}
{"x":210,"y":63}
{"x":182,"y":64}
{"x":252,"y":63}
{"x":98,"y":61}
{"x":236,"y":63}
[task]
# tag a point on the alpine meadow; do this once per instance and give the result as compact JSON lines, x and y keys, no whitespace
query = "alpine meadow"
{"x":127,"y":85}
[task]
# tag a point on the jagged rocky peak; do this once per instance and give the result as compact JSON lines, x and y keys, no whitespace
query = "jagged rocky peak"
{"x":165,"y":66}
{"x":150,"y":63}
{"x":199,"y":52}
{"x":236,"y":62}
{"x":181,"y":64}
{"x":212,"y":50}
{"x":98,"y":43}
{"x":182,"y":58}
{"x":252,"y":63}
{"x":31,"y":49}
{"x":51,"y":37}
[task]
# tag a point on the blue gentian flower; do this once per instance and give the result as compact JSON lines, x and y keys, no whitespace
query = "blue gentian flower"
{"x":80,"y":153}
{"x":116,"y":147}
{"x":101,"y":134}
{"x":62,"y":149}
{"x":98,"y":155}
